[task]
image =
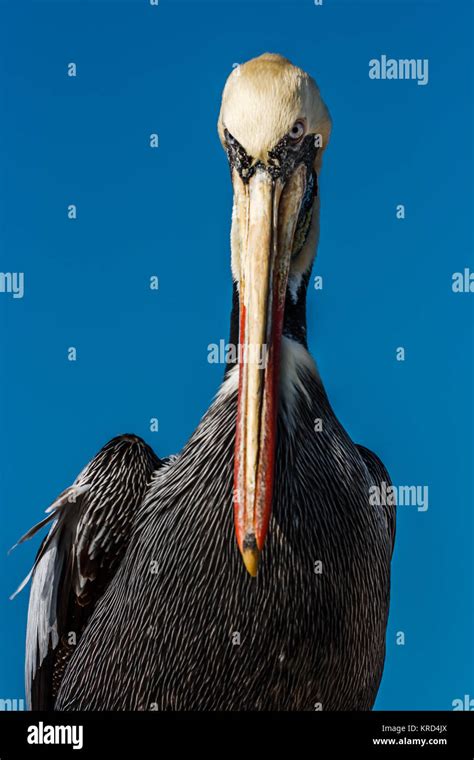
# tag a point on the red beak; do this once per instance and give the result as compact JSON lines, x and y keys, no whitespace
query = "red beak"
{"x":265,"y":215}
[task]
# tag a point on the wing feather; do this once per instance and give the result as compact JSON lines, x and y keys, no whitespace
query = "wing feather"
{"x":90,"y":527}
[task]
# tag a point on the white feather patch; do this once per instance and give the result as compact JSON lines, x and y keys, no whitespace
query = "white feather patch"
{"x":42,"y":623}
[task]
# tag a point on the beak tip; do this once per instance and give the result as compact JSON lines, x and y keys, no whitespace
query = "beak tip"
{"x":251,"y":559}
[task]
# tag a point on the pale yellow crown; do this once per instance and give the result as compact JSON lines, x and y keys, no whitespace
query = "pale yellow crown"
{"x":262,"y":100}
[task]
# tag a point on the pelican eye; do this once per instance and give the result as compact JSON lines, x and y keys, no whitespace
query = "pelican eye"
{"x":297,"y":131}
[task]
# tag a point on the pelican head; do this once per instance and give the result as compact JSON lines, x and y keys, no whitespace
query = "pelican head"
{"x":274,"y":127}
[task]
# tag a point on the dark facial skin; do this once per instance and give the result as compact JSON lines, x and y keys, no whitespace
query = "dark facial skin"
{"x":282,"y":159}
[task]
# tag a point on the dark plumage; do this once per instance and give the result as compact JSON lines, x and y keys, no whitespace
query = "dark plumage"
{"x":163,"y":635}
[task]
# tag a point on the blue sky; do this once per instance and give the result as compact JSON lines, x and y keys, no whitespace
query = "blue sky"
{"x":166,"y":212}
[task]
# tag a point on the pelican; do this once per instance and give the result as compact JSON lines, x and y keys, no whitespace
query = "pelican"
{"x":250,"y":571}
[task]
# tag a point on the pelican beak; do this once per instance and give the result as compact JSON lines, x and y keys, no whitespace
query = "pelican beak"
{"x":264,"y":221}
